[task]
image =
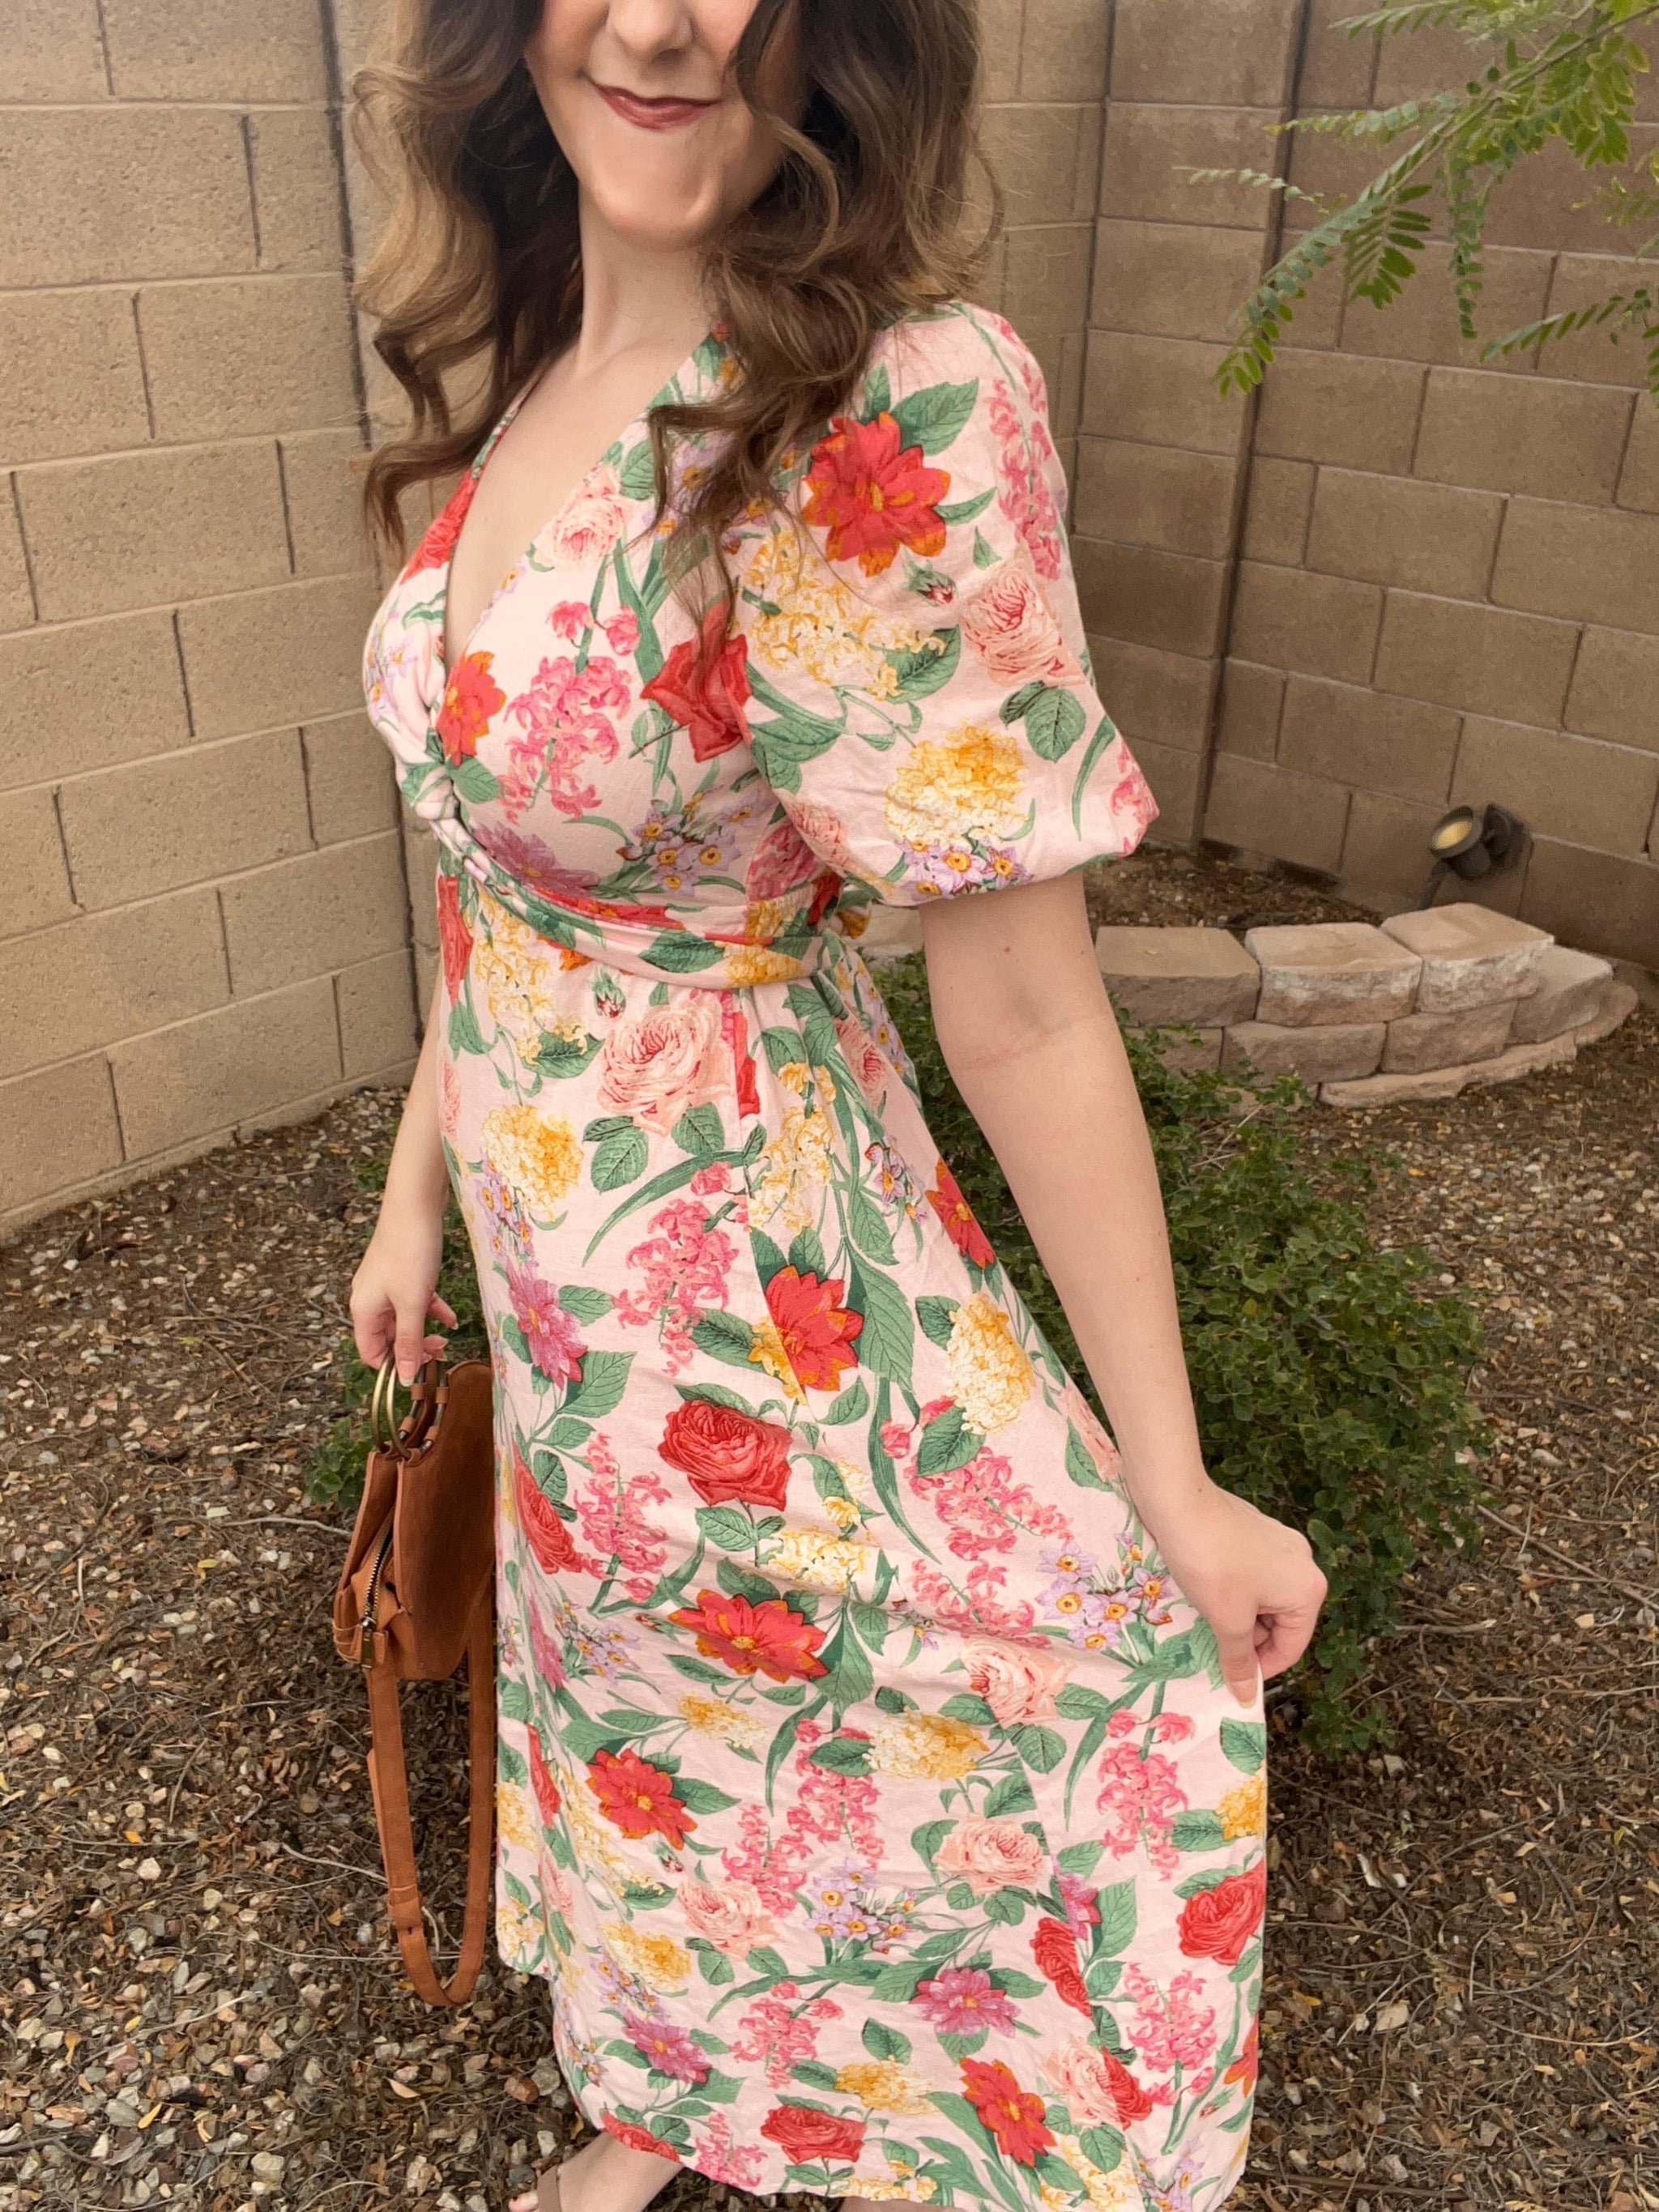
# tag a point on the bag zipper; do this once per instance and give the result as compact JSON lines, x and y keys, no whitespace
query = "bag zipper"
{"x":371,"y":1599}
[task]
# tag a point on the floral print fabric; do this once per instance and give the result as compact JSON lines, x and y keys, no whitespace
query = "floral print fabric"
{"x":869,"y":1795}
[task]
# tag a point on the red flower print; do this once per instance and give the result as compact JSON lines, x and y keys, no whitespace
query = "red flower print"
{"x":815,"y":1327}
{"x":770,"y":1638}
{"x":1243,"y":2068}
{"x":872,"y":494}
{"x":546,"y":1789}
{"x":1054,"y":1949}
{"x":705,"y":687}
{"x":454,"y":938}
{"x":730,"y":1456}
{"x":637,"y":2138}
{"x":1013,"y":2115}
{"x":1217,"y":1924}
{"x":544,"y":1532}
{"x":734,"y":1028}
{"x":638,"y":1798}
{"x":439,"y":542}
{"x":1130,"y":2099}
{"x":960,"y":1226}
{"x":811,"y":2137}
{"x":470,"y":697}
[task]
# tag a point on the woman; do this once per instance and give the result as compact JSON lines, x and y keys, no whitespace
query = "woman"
{"x":883,"y":1813}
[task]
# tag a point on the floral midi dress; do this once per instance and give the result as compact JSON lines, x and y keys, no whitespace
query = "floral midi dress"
{"x":869,"y":1796}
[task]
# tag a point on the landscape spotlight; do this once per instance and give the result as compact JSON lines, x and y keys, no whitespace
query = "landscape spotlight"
{"x":1471,"y":843}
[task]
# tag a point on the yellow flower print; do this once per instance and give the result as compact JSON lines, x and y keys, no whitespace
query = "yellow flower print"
{"x":514,"y":1819}
{"x":1116,"y":2191}
{"x":727,"y":1723}
{"x":881,"y":2085}
{"x":842,"y":1512}
{"x":916,"y":2188}
{"x":765,"y":919}
{"x":925,"y":1746}
{"x":534,"y":1152}
{"x":991,"y":1376}
{"x":656,"y":1960}
{"x":793,"y":1167}
{"x":968,"y":784}
{"x":820,"y":627}
{"x":1244,"y":1810}
{"x":749,"y":964}
{"x":766,"y":1351}
{"x":812,"y":1560}
{"x":510,"y":964}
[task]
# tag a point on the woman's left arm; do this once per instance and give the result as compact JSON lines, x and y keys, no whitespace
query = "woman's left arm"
{"x":1031,"y":1042}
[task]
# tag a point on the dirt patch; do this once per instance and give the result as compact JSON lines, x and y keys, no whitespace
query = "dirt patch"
{"x":198,"y":2001}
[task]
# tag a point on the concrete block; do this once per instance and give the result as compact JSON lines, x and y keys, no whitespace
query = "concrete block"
{"x":1166,"y":600}
{"x":1261,"y":808}
{"x":60,"y":1127}
{"x":241,"y":1060}
{"x":324,"y":502}
{"x":34,"y":884}
{"x":1571,"y":989}
{"x":348,"y":778}
{"x":376,"y":999}
{"x":45,"y":414}
{"x":1470,"y":955}
{"x":138,"y":529}
{"x":89,"y":696}
{"x":53,"y":52}
{"x":1159,"y":975}
{"x":1417,"y":1042}
{"x":107,"y":975}
{"x":1324,"y":1051}
{"x":291,"y":654}
{"x":1394,"y":1090}
{"x":244,"y":355}
{"x":1524,"y":1059}
{"x":1619,"y":1002}
{"x":16,"y":594}
{"x":187,"y":818}
{"x":310,"y":916}
{"x":296,"y":189}
{"x":1332,"y":971}
{"x":215,"y":50}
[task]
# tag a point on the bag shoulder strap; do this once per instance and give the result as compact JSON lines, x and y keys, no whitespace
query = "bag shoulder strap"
{"x":389,"y":1780}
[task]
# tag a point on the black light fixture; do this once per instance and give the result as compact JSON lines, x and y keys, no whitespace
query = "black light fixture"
{"x":1471,"y":842}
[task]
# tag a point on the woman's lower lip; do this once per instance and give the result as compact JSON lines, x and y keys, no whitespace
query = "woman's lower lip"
{"x":653,"y":114}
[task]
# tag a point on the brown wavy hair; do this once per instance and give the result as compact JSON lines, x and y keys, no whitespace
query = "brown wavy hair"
{"x":477,"y":282}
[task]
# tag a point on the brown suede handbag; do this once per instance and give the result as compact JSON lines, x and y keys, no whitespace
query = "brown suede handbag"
{"x":417,"y":1595}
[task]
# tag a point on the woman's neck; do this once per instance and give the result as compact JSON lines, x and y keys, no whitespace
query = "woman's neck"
{"x":636,"y":300}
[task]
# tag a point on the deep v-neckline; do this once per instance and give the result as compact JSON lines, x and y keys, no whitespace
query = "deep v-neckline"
{"x":676,"y":381}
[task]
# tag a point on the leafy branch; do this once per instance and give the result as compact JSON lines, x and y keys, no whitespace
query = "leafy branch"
{"x":1564,"y":69}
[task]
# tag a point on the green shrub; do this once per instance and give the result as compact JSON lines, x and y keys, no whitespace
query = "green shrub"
{"x":1330,"y":1385}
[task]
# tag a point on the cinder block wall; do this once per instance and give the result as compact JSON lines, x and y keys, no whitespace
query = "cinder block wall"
{"x":1443,"y":586}
{"x":201,"y":888}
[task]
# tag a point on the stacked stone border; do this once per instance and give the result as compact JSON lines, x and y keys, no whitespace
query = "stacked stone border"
{"x":1420,"y":1006}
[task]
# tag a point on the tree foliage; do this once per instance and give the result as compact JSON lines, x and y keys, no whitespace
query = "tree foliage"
{"x":1547,"y":69}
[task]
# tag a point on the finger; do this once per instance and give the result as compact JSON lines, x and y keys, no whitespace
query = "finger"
{"x":445,"y":1312}
{"x":1288,"y":1636}
{"x":410,"y":1342}
{"x":1238,"y":1662}
{"x":434,"y":1347}
{"x":370,"y":1332}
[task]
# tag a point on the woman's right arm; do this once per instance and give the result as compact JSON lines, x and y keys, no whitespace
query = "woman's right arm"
{"x":395,"y":1288}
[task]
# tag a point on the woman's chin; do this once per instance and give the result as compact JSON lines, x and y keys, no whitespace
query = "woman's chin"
{"x":653,"y":219}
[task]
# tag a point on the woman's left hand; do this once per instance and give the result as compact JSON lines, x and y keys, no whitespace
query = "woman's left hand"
{"x":1255,"y":1581}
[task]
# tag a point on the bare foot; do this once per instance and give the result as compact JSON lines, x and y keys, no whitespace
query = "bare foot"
{"x":604,"y":2176}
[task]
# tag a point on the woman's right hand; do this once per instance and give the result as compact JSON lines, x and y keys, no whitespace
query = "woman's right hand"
{"x":395,"y":1289}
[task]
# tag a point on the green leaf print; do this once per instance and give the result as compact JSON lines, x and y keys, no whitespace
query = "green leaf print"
{"x":866,"y":1228}
{"x":1211,"y":1878}
{"x":1245,"y":1743}
{"x":1015,"y":1984}
{"x":1054,"y":721}
{"x":807,"y":1255}
{"x":638,"y":475}
{"x":683,"y":954}
{"x":514,"y":1700}
{"x":1012,"y":1795}
{"x":842,"y":1755}
{"x":937,"y":1318}
{"x":1042,"y":1748}
{"x":476,"y":783}
{"x":619,"y":1157}
{"x":604,"y":1377}
{"x":702,"y":1796}
{"x":1080,"y":1859}
{"x":878,"y":393}
{"x":465,"y":1035}
{"x":648,"y":653}
{"x":565,"y":1435}
{"x":1198,"y":1832}
{"x":1116,"y":1905}
{"x":1101,"y":1979}
{"x":967,"y":510}
{"x":714,"y":1966}
{"x":888,"y":1337}
{"x":1103,"y":738}
{"x":962,"y":2112}
{"x":984,"y":554}
{"x":1101,"y":2146}
{"x":1080,"y":1465}
{"x":883,"y":2042}
{"x":932,"y":417}
{"x":927,"y":1839}
{"x":850,"y":1405}
{"x":964,"y":1706}
{"x":739,"y":1582}
{"x":898,"y":1984}
{"x":583,"y":1304}
{"x":716,"y":1393}
{"x":723,"y":1336}
{"x":947,"y":1443}
{"x":511,"y":1764}
{"x":930,"y":668}
{"x":699,"y":1131}
{"x":726,"y":1528}
{"x":561,"y":1056}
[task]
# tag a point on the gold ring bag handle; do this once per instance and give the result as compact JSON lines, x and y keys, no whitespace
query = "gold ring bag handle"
{"x":416,"y":1598}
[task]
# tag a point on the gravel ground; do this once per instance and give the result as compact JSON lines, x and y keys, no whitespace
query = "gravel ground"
{"x":198,"y":2003}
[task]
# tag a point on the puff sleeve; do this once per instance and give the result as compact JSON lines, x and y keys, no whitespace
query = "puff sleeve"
{"x":921,"y":695}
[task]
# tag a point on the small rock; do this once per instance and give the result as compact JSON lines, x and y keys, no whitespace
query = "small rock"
{"x":148,"y":1870}
{"x":268,"y":2165}
{"x":120,"y":2114}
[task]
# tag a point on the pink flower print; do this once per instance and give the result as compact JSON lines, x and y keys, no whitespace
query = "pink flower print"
{"x":782,"y":862}
{"x":984,"y":1508}
{"x":834,"y":1808}
{"x":1022,"y":491}
{"x":720,"y":2160}
{"x":1131,"y":801}
{"x":934,"y":1604}
{"x":534,"y":863}
{"x":670,"y":2049}
{"x":1172,"y":1728}
{"x":1141,"y":1796}
{"x":1170,"y":2028}
{"x":556,"y":1345}
{"x":772,"y":2034}
{"x":617,"y":1523}
{"x":685,"y":1264}
{"x":1081,"y":1900}
{"x":545,"y":1649}
{"x":568,"y":619}
{"x":962,"y":2000}
{"x":622,"y":630}
{"x":564,"y":716}
{"x":1122,"y":1722}
{"x":710,"y":1181}
{"x":775,"y":1869}
{"x":590,"y":522}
